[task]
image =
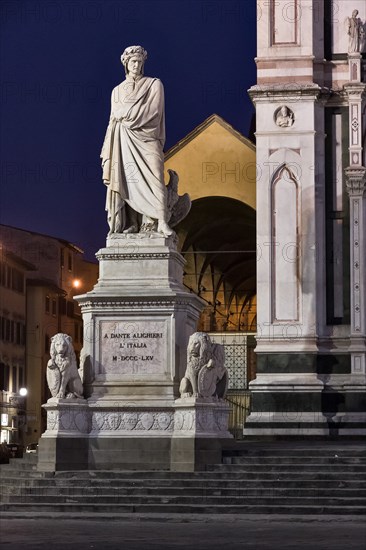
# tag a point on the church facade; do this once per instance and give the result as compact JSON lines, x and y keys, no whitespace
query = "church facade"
{"x":310,"y":101}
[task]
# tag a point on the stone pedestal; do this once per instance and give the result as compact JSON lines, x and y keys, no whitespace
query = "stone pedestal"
{"x":200,"y":429}
{"x":64,"y":444}
{"x":137,"y":322}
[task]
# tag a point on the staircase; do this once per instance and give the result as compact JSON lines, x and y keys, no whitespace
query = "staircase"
{"x":254,"y":478}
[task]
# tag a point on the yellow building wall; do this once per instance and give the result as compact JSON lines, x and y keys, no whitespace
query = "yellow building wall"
{"x":217,"y":161}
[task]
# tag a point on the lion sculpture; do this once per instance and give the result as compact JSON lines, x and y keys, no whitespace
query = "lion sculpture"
{"x":206,"y":375}
{"x":62,"y":373}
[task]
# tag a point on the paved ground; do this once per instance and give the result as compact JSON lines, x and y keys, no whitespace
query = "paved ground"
{"x":198,"y":532}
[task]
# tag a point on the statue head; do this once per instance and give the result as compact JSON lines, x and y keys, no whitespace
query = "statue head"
{"x":137,"y":52}
{"x":354,"y":13}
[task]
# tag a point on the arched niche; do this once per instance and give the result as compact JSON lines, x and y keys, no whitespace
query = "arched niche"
{"x":285,"y":245}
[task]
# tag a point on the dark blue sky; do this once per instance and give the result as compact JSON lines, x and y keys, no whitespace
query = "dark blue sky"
{"x":59,"y":62}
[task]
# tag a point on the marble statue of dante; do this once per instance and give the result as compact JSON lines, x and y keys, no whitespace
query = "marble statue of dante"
{"x":132,"y":153}
{"x":355,"y":32}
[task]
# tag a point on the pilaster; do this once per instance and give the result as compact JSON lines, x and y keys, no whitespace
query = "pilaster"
{"x":356,"y":185}
{"x":355,"y":91}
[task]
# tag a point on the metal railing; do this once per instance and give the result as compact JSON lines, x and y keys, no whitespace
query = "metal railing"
{"x":240,"y":408}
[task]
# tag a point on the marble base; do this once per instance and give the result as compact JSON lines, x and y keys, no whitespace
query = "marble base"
{"x":200,"y":431}
{"x":130,"y":421}
{"x":86,"y":435}
{"x":68,"y":418}
{"x":200,"y":417}
{"x":306,"y":395}
{"x":64,"y":444}
{"x":63,"y":453}
{"x":137,"y":323}
{"x":129,"y":453}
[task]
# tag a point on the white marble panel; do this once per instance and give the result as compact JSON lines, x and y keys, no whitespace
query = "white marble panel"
{"x":284,"y":21}
{"x":136,"y":347}
{"x":285,"y":250}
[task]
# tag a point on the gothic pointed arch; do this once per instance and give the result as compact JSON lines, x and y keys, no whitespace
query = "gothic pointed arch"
{"x":285,"y":254}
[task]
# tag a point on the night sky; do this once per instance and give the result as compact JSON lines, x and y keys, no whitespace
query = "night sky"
{"x":59,"y":63}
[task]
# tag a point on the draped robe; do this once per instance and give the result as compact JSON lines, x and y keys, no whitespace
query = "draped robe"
{"x":132,"y":153}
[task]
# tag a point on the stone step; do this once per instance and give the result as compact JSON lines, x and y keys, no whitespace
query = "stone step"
{"x":273,"y":460}
{"x":301,"y":509}
{"x":288,"y":466}
{"x":27,"y":457}
{"x":190,"y":499}
{"x":24,"y":466}
{"x":96,"y":492}
{"x":206,"y":484}
{"x":230,"y":472}
{"x":307,"y":451}
{"x":23,"y":473}
{"x":224,"y":471}
{"x":241,"y":468}
{"x":303,"y":481}
{"x":248,"y":463}
{"x":241,"y":473}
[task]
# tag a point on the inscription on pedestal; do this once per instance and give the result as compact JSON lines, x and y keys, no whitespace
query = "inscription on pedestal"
{"x":133,"y":348}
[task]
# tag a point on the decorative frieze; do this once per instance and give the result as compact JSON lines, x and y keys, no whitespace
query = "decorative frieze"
{"x":133,"y":304}
{"x":132,"y":422}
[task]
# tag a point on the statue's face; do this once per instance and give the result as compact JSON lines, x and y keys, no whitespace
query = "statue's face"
{"x":134,"y":65}
{"x":61,"y":346}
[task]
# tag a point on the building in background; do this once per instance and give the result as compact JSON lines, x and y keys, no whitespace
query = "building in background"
{"x":13,"y":317}
{"x":40,"y":275}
